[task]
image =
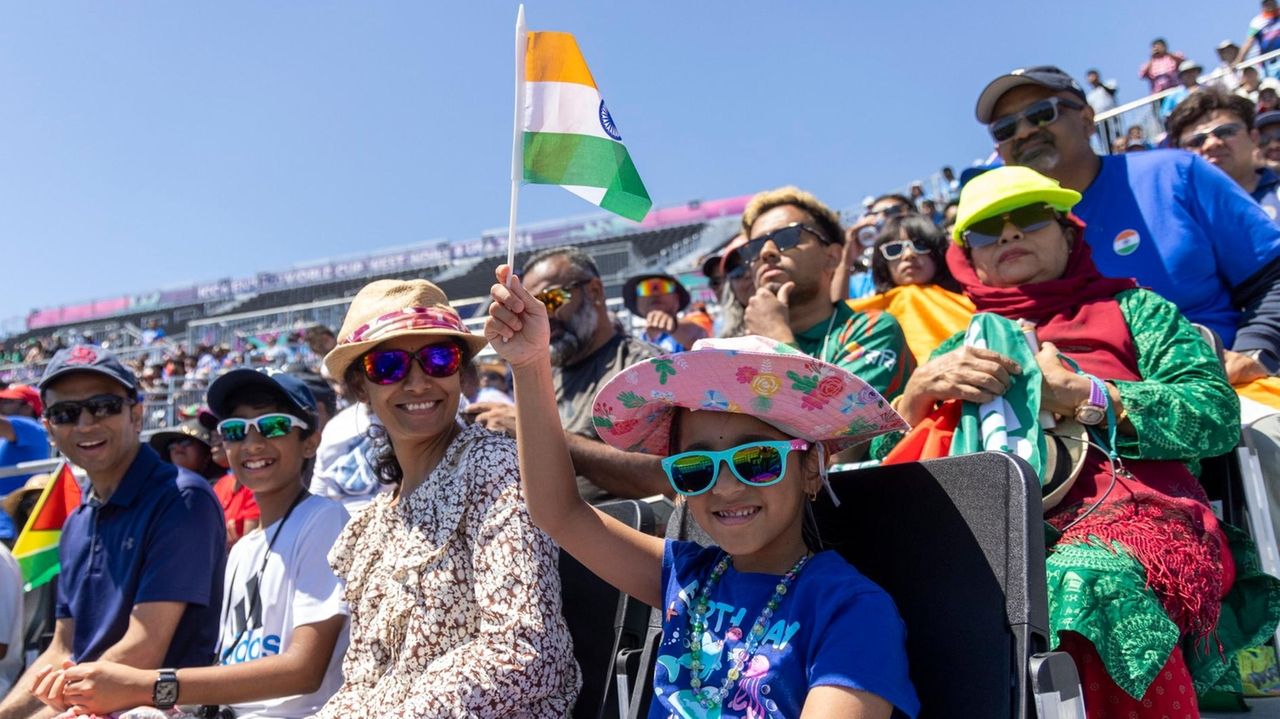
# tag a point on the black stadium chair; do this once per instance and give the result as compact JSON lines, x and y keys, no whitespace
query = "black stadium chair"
{"x":959,"y":544}
{"x":602,"y":620}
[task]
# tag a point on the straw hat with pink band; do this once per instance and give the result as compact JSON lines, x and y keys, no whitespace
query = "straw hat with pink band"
{"x":800,"y":395}
{"x":387,"y":309}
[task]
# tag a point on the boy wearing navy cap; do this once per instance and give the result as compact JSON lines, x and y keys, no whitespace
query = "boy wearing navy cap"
{"x":283,"y":634}
{"x":142,"y":556}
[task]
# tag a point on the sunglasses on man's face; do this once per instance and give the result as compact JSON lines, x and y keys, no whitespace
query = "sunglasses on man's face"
{"x":1225,"y":131}
{"x":1268,"y":138}
{"x":785,"y":238}
{"x":893,"y":250}
{"x":269,"y":426}
{"x":1026,"y":219}
{"x":1038,"y":114}
{"x":756,"y":464}
{"x":556,"y":297}
{"x":391,"y":366}
{"x":99,"y":406}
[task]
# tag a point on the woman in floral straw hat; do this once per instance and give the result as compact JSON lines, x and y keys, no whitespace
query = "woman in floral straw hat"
{"x":454,"y":594}
{"x":765,"y":624}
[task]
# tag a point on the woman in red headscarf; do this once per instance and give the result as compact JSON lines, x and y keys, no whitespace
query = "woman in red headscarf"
{"x":1138,"y":577}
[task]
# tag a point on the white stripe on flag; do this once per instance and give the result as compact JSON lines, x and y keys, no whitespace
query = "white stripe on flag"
{"x":594,"y":195}
{"x":563,"y":107}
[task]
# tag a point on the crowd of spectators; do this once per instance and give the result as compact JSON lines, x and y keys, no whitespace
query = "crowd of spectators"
{"x":364,"y":522}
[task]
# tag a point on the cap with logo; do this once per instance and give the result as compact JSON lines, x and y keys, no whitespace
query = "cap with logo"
{"x":1047,"y":76}
{"x":293,"y":390}
{"x":87,"y":359}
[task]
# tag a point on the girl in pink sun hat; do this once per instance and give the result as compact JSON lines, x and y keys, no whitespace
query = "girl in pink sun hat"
{"x":765,"y":624}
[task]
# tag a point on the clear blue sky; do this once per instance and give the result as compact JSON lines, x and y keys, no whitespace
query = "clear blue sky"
{"x":153,"y":144}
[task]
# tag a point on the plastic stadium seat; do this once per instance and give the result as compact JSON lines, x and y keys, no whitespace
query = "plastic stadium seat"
{"x":959,"y":544}
{"x":602,"y":620}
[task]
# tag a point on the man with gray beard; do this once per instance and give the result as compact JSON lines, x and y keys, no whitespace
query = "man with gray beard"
{"x":1167,"y":218}
{"x":587,"y":350}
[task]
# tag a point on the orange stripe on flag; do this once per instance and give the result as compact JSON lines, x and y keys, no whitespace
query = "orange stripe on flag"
{"x":555,"y":57}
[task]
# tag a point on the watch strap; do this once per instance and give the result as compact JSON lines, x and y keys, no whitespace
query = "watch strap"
{"x":164,"y":694}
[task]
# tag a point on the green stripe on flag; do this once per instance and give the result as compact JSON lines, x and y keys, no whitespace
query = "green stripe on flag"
{"x":552,"y":158}
{"x":38,"y":567}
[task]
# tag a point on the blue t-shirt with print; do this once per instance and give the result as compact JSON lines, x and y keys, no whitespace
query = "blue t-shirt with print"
{"x":834,"y":627}
{"x":1181,"y":227}
{"x":1266,"y":193}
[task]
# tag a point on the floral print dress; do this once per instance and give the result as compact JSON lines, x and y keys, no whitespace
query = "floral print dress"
{"x":455,"y":598}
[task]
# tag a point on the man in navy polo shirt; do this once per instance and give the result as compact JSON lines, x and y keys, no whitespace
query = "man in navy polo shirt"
{"x":143,"y":555}
{"x":1168,"y":218}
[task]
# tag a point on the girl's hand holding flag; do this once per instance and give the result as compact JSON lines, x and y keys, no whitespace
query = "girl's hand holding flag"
{"x":518,"y":327}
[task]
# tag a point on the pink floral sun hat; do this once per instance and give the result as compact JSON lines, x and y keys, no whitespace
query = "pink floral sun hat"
{"x":798,"y":394}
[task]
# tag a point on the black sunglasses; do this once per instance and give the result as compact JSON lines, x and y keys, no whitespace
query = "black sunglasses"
{"x":1038,"y":114}
{"x":1027,"y":219}
{"x":99,"y":406}
{"x":784,"y":238}
{"x":391,"y":366}
{"x":1225,"y":131}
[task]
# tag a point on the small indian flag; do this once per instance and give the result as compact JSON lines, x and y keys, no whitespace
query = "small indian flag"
{"x":37,"y":547}
{"x":569,"y":138}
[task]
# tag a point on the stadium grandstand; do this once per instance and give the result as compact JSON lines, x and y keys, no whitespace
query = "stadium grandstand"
{"x":240,"y":312}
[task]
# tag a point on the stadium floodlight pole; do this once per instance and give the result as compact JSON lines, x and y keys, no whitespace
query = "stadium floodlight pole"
{"x":517,"y":139}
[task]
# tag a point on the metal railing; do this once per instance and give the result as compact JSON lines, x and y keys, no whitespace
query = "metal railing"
{"x":30,"y":372}
{"x":1148,"y":113}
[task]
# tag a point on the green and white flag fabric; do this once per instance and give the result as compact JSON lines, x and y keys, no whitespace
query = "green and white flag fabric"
{"x":1009,"y":423}
{"x":569,"y":137}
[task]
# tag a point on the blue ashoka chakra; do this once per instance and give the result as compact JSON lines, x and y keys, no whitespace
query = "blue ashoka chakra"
{"x":606,"y":123}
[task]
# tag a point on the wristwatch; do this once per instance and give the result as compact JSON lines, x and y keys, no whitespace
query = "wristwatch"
{"x":1264,"y":358}
{"x":1093,"y":410}
{"x":165,"y":693}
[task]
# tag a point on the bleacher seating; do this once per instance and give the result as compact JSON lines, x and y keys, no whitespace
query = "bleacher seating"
{"x":615,"y":254}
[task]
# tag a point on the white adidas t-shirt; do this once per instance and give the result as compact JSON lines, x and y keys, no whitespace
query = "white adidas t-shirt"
{"x":296,"y":588}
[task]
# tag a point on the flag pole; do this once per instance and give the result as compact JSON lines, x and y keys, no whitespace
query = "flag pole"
{"x":517,"y":137}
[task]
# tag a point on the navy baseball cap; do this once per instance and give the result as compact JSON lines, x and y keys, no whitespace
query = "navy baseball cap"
{"x":1042,"y":75}
{"x":1266,"y":118}
{"x":293,"y":391}
{"x":88,"y":358}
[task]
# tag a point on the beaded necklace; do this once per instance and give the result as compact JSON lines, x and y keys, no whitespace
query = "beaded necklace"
{"x":709,"y":697}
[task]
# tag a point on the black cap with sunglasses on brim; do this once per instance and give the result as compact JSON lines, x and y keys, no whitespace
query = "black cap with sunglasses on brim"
{"x":629,"y":290}
{"x":1047,"y":76}
{"x":191,"y":429}
{"x":293,"y":391}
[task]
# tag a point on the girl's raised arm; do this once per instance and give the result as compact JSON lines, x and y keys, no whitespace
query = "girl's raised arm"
{"x":628,"y":559}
